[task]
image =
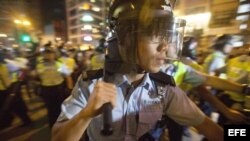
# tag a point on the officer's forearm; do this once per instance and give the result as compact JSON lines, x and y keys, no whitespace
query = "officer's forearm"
{"x":211,"y":130}
{"x":71,"y":130}
{"x":211,"y":99}
{"x":223,"y":84}
{"x":69,"y":82}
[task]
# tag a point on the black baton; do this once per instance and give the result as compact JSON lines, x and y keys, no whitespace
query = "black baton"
{"x":107,"y":129}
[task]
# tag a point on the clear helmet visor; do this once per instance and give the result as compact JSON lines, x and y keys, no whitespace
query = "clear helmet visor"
{"x":170,"y":38}
{"x":174,"y":44}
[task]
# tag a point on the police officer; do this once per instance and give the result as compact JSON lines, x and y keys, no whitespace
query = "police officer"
{"x":52,"y":74}
{"x":67,"y":60}
{"x":140,"y":46}
{"x":237,"y":70}
{"x":216,"y":60}
{"x":189,"y":55}
{"x":97,"y":60}
{"x":12,"y":101}
{"x":5,"y":119}
{"x":188,"y":74}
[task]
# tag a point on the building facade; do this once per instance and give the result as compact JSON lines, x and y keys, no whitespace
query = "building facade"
{"x":17,"y":17}
{"x":86,"y":21}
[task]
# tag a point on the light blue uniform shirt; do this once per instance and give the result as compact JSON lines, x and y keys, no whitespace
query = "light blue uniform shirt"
{"x":137,"y":110}
{"x":214,"y":61}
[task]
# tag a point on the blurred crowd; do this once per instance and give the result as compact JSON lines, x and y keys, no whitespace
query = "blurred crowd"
{"x":51,"y":70}
{"x":48,"y":71}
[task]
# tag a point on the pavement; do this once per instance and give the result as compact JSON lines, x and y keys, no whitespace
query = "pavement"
{"x":39,"y":129}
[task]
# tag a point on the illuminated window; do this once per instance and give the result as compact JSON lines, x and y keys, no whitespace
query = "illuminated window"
{"x":87,"y":38}
{"x":242,"y":17}
{"x":244,"y":8}
{"x":85,"y":6}
{"x":87,"y":18}
{"x":58,"y":38}
{"x":243,"y":26}
{"x":96,"y":9}
{"x":87,"y":27}
{"x":95,"y":30}
{"x":3,"y":35}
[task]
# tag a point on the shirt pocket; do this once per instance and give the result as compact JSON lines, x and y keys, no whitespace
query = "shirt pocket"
{"x":148,"y":117}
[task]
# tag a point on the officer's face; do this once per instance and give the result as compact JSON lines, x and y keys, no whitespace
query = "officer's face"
{"x":151,"y":55}
{"x":49,"y":56}
{"x":227,"y":49}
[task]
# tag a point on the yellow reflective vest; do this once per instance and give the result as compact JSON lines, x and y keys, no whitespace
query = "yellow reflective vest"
{"x":50,"y":73}
{"x":4,"y":77}
{"x":210,"y":64}
{"x":234,"y":69}
{"x":179,"y":72}
{"x":69,"y":62}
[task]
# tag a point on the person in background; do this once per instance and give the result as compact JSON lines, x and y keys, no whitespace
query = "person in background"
{"x":52,"y":75}
{"x":12,"y":101}
{"x":216,"y":60}
{"x":67,"y":60}
{"x":5,"y":118}
{"x":83,"y":62}
{"x":97,"y":60}
{"x":188,"y":75}
{"x":237,"y":70}
{"x":189,"y":55}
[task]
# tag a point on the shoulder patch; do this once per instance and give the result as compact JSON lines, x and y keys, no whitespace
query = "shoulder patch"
{"x":92,"y":74}
{"x":163,"y":78}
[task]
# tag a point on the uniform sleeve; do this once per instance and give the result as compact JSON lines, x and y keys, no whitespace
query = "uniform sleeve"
{"x":216,"y":64}
{"x":76,"y":101}
{"x":11,"y":65}
{"x":193,"y":77}
{"x":63,"y":69}
{"x":181,"y":109}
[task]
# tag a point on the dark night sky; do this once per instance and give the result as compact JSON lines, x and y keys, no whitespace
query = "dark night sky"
{"x":52,"y":10}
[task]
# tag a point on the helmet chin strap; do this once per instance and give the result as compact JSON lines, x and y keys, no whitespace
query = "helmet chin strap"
{"x":137,"y":69}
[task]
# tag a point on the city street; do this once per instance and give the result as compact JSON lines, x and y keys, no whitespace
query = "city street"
{"x":37,"y":131}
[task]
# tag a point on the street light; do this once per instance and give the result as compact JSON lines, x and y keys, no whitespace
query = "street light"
{"x":26,"y":23}
{"x":17,"y":21}
{"x":3,"y":35}
{"x":23,"y":22}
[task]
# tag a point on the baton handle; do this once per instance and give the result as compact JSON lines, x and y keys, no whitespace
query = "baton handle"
{"x":107,"y":119}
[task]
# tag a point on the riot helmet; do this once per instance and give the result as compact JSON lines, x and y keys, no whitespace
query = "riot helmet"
{"x":48,"y":53}
{"x":47,"y":49}
{"x":223,"y":42}
{"x":152,"y":18}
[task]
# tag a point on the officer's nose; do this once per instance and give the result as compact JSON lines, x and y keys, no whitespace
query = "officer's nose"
{"x":162,"y":47}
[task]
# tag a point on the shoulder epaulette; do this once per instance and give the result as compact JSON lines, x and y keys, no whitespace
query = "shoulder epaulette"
{"x":92,"y":74}
{"x":163,"y":78}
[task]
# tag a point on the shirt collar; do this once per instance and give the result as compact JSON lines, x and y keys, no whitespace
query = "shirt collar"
{"x":119,"y":79}
{"x":219,"y":53}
